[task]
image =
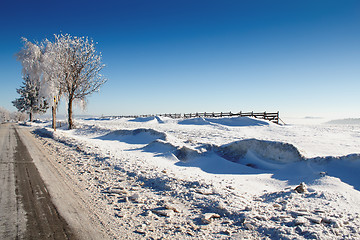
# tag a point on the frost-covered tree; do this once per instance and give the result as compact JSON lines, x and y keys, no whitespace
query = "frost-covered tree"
{"x":18,"y":116}
{"x":77,"y":69}
{"x":30,"y":57}
{"x":52,"y":73}
{"x":68,"y":67}
{"x":4,"y":115}
{"x":30,"y":100}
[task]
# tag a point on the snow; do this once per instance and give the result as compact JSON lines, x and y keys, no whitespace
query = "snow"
{"x":244,"y":169}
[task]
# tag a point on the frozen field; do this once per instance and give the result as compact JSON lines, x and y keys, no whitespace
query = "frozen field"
{"x":243,"y":170}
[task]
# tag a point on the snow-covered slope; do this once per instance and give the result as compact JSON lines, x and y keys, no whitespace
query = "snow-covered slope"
{"x":243,"y":169}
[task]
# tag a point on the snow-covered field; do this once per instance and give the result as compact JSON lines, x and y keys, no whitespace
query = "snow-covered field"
{"x":219,"y":178}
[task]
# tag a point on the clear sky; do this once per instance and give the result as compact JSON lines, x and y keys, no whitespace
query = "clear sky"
{"x":299,"y":57}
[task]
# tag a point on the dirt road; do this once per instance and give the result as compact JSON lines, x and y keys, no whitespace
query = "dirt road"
{"x":27,"y":209}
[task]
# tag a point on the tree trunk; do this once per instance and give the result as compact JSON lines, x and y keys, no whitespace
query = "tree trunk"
{"x":70,"y":113}
{"x":30,"y":116}
{"x":54,"y":117}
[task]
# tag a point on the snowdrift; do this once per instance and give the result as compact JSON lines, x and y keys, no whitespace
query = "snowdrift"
{"x":253,"y":153}
{"x":194,"y":121}
{"x":165,"y":148}
{"x":346,"y":168}
{"x":282,"y":159}
{"x":152,"y":119}
{"x":136,"y":136}
{"x":230,"y":121}
{"x":159,"y":146}
{"x":275,"y":151}
{"x":238,"y":121}
{"x":249,"y":153}
{"x":226,"y":121}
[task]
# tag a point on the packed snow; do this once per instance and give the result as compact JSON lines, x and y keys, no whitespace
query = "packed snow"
{"x":220,"y":177}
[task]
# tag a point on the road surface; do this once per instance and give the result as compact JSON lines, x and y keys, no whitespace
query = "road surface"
{"x":27,"y":209}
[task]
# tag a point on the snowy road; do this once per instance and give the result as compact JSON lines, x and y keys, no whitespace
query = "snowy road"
{"x":27,"y":210}
{"x":12,"y":215}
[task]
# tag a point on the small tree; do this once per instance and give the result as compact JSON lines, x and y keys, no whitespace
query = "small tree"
{"x":30,"y":101}
{"x":78,"y":67}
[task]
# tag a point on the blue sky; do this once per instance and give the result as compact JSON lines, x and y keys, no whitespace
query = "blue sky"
{"x":301,"y":58}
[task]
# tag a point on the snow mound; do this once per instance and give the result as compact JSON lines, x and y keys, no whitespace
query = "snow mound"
{"x":164,"y":148}
{"x":226,"y":121}
{"x":160,"y":146}
{"x":260,"y":154}
{"x":346,"y":168}
{"x":194,"y":121}
{"x":143,"y":119}
{"x":87,"y":129}
{"x":152,"y":119}
{"x":185,"y":153}
{"x":351,"y":158}
{"x":159,"y":120}
{"x":136,"y":136}
{"x":238,"y":121}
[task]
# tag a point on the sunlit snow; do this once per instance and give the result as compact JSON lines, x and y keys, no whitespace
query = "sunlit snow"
{"x":255,"y":158}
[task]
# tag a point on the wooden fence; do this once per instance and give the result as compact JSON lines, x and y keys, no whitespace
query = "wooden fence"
{"x":270,"y":116}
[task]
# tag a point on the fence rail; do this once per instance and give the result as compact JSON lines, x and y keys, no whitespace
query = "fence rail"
{"x":270,"y":116}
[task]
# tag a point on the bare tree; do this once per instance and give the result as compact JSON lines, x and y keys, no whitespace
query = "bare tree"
{"x":78,"y":67}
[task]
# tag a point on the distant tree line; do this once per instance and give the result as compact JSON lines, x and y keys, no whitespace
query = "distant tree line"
{"x":6,"y":116}
{"x":68,"y":67}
